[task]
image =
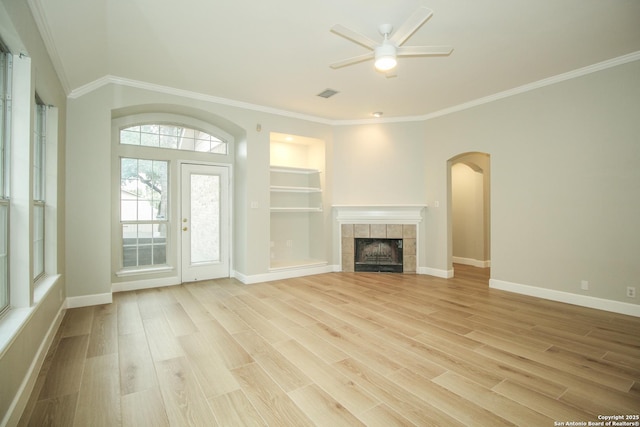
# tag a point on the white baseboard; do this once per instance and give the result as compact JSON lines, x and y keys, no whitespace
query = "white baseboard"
{"x":444,"y":274}
{"x":135,"y":285}
{"x":470,"y":261}
{"x":566,"y":297}
{"x":12,"y":417}
{"x":88,"y":300}
{"x":300,"y":272}
{"x":282,"y":274}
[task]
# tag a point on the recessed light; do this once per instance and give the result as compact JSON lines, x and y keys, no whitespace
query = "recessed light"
{"x":377,"y":114}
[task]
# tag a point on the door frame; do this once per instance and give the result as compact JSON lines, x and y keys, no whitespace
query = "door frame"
{"x":467,"y":159}
{"x":178,"y":223}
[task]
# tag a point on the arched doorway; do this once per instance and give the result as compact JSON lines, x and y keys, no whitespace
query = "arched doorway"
{"x":469,"y":194}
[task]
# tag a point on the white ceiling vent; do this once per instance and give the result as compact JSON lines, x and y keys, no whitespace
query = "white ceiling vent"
{"x":327,"y":93}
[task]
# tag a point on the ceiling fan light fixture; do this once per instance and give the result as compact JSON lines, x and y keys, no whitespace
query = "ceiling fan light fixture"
{"x":385,"y":57}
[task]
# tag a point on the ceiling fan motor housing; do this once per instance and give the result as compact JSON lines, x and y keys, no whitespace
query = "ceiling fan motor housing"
{"x":385,"y":56}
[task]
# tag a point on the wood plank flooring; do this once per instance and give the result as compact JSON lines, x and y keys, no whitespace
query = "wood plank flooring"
{"x":337,"y":349}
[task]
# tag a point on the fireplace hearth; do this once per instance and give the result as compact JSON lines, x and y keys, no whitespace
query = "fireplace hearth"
{"x":378,"y":255}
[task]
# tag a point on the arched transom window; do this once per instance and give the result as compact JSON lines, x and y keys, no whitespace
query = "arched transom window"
{"x":173,"y":137}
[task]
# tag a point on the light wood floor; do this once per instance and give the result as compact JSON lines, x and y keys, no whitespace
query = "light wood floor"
{"x":337,"y":349}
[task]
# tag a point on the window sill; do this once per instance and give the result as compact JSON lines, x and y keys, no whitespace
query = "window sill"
{"x":43,"y":286}
{"x":14,"y":320}
{"x":139,"y":272}
{"x":10,"y":325}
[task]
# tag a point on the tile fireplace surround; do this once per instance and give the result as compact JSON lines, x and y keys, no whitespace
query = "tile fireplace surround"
{"x":391,"y":222}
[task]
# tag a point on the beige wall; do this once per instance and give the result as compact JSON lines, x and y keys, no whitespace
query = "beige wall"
{"x":565,"y":189}
{"x":89,"y":208}
{"x":467,"y":213}
{"x":379,"y":164}
{"x":562,"y":187}
{"x":565,"y":186}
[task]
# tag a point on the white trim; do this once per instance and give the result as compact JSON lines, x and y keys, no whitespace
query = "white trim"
{"x":610,"y":63}
{"x":172,"y":118}
{"x":289,"y":169}
{"x":143,"y":271}
{"x":109,"y":79}
{"x":539,"y":84}
{"x":41,"y":20}
{"x":566,"y":297}
{"x":135,"y":285}
{"x":282,"y":274}
{"x":471,"y":261}
{"x":12,"y":323}
{"x":379,"y":214}
{"x":89,"y":300}
{"x":444,"y":274}
{"x":21,"y":398}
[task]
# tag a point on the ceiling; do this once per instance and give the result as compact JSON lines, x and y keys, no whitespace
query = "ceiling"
{"x":275,"y":54}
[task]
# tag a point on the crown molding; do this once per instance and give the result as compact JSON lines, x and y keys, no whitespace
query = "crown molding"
{"x":45,"y":32}
{"x":109,"y":79}
{"x":610,"y":63}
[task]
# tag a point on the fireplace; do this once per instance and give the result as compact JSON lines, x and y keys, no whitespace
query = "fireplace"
{"x":379,"y":223}
{"x":378,"y":255}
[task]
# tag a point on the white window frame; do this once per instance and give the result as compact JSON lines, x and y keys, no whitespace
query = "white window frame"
{"x":5,"y":145}
{"x":39,"y":188}
{"x":190,"y":139}
{"x":26,"y":290}
{"x":158,"y":274}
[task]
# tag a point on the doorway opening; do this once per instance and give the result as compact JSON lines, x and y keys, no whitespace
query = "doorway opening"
{"x":470,"y":210}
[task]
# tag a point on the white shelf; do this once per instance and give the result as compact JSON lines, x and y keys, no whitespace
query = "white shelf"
{"x":296,"y":218}
{"x":295,"y":209}
{"x":287,"y":169}
{"x":293,"y":189}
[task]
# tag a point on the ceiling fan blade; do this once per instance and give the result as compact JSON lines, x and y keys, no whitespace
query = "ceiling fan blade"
{"x":423,"y":50}
{"x":410,"y":26}
{"x":354,"y":36}
{"x":352,"y":60}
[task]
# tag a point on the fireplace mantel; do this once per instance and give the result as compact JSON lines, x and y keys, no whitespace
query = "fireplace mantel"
{"x":378,"y":214}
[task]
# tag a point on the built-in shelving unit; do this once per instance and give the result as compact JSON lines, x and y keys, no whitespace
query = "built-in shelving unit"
{"x":296,"y":203}
{"x":295,"y":190}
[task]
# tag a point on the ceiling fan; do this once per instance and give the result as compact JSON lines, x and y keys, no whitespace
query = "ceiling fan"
{"x":386,"y":53}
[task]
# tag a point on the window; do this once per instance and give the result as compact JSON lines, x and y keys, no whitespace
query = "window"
{"x":173,"y":137}
{"x":143,"y":212}
{"x":39,"y":144}
{"x":5,"y":108}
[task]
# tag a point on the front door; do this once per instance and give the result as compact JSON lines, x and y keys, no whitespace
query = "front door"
{"x":204,"y":222}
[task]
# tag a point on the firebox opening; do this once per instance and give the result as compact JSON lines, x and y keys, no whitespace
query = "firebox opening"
{"x":378,"y":255}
